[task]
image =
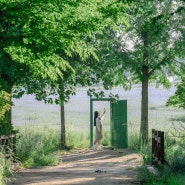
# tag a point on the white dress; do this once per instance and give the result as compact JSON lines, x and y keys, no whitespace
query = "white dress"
{"x":99,"y":129}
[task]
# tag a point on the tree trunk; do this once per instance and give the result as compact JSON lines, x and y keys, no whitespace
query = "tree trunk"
{"x":62,"y":115}
{"x":63,"y":129}
{"x":144,"y":100}
{"x":144,"y":108}
{"x":8,"y":114}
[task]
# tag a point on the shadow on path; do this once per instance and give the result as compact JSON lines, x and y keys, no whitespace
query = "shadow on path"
{"x":85,"y":167}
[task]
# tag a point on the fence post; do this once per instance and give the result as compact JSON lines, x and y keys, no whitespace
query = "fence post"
{"x":157,"y":147}
{"x":153,"y":146}
{"x":161,"y":146}
{"x":8,"y":145}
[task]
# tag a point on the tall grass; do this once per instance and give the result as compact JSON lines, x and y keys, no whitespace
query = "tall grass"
{"x":77,"y":138}
{"x":36,"y":146}
{"x":173,"y":171}
{"x":5,"y":169}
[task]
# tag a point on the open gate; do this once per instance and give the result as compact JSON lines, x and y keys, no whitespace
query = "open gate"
{"x":118,"y":122}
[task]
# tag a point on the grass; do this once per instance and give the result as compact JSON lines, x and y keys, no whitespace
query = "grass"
{"x":173,"y":170}
{"x":28,"y":111}
{"x":38,"y":142}
{"x":164,"y":177}
{"x":39,"y":146}
{"x":36,"y":147}
{"x":5,"y":169}
{"x":77,"y":138}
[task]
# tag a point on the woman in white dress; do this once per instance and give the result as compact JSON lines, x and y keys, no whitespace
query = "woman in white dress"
{"x":99,"y":132}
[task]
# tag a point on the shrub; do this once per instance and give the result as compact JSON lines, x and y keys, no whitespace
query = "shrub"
{"x":5,"y":104}
{"x":36,"y":147}
{"x":5,"y":128}
{"x":5,"y":170}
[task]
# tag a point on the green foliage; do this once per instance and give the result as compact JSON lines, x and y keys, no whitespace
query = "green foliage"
{"x":142,"y":50}
{"x":175,"y":148}
{"x":44,"y":46}
{"x":171,"y":172}
{"x":176,"y":180}
{"x":122,"y":51}
{"x":77,"y":138}
{"x":36,"y":147}
{"x":133,"y":140}
{"x":146,"y":153}
{"x":178,"y":99}
{"x":145,"y":176}
{"x":6,"y":128}
{"x":106,"y":138}
{"x":5,"y":104}
{"x":4,"y":169}
{"x":159,"y":177}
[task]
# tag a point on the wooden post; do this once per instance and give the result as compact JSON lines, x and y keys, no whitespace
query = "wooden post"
{"x":8,"y":145}
{"x":157,"y":147}
{"x":161,"y":147}
{"x":153,"y":146}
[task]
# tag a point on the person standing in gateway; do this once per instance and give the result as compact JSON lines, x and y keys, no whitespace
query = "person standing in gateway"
{"x":98,"y":118}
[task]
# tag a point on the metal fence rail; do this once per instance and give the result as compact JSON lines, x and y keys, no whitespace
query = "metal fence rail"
{"x":8,"y":145}
{"x":157,"y":147}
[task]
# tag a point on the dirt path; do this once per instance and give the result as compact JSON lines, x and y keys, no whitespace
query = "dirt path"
{"x":82,"y":167}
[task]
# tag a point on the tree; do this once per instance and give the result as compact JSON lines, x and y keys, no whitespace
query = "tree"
{"x":144,"y":49}
{"x":32,"y":33}
{"x":178,"y":99}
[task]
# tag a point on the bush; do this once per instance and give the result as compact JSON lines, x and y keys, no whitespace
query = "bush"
{"x":5,"y":170}
{"x":6,"y":128}
{"x":164,"y":176}
{"x":36,"y":147}
{"x":172,"y":172}
{"x":5,"y":104}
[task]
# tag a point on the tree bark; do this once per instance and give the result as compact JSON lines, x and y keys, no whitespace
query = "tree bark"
{"x":63,"y":129}
{"x":144,"y":100}
{"x":144,"y":107}
{"x":8,"y":114}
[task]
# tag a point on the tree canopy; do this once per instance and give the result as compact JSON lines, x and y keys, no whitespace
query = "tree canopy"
{"x":33,"y":32}
{"x":145,"y":49}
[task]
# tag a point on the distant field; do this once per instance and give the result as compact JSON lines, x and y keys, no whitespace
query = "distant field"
{"x":28,"y":111}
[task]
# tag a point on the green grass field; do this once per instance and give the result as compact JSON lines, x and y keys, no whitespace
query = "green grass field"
{"x":28,"y":111}
{"x":38,"y":120}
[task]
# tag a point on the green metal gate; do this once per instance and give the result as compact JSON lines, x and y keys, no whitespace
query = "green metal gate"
{"x":118,"y":122}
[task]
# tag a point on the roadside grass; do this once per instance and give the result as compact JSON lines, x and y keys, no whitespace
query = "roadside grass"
{"x":77,"y":138}
{"x":39,"y":146}
{"x":164,"y":177}
{"x":36,"y":146}
{"x":5,"y":169}
{"x":172,"y":172}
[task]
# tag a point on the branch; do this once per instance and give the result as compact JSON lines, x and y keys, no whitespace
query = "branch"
{"x":165,"y":59}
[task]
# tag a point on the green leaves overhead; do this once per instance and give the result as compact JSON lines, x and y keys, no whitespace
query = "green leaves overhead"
{"x":33,"y":31}
{"x":153,"y":36}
